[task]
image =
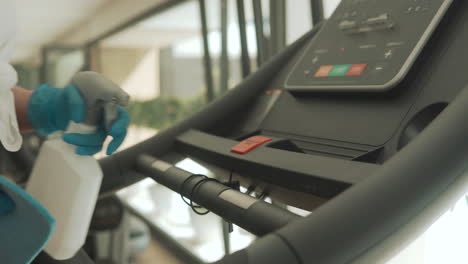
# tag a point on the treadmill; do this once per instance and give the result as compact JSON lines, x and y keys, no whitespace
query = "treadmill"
{"x":361,"y":121}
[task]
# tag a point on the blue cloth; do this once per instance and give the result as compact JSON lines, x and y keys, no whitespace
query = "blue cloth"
{"x":6,"y":204}
{"x":25,"y":226}
{"x":51,"y":109}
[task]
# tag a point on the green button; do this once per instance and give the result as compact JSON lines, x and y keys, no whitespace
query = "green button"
{"x":339,"y":70}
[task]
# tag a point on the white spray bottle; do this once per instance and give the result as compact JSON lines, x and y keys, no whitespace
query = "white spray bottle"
{"x":66,"y":184}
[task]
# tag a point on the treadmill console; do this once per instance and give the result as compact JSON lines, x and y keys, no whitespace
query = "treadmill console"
{"x":367,"y":45}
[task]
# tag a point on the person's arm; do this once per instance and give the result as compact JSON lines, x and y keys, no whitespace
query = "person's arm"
{"x":22,"y":97}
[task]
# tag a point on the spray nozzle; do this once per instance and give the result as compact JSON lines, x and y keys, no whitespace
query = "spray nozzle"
{"x":101,"y":97}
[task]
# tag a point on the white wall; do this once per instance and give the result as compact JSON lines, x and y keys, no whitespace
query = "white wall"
{"x":118,"y":12}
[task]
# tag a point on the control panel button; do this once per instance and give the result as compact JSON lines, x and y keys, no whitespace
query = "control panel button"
{"x":340,"y":70}
{"x":321,"y":51}
{"x":409,"y":10}
{"x":379,"y":67}
{"x":395,"y":44}
{"x":380,"y":22}
{"x":389,"y":54}
{"x":368,"y":46}
{"x":381,"y":19}
{"x":249,"y":144}
{"x":347,"y":25}
{"x":323,"y":71}
{"x":365,"y":29}
{"x":315,"y":59}
{"x":356,"y":69}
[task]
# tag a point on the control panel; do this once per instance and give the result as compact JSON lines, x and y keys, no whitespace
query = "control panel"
{"x":367,"y":45}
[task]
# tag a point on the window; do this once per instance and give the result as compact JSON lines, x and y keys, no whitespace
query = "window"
{"x":298,"y":19}
{"x":329,"y":7}
{"x":443,"y":242}
{"x":61,"y":64}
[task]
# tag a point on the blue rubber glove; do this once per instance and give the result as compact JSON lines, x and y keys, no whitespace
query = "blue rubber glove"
{"x":90,"y":144}
{"x":51,"y":109}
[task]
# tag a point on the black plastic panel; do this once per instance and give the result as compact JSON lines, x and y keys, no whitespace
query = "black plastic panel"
{"x":367,"y":45}
{"x":317,"y":175}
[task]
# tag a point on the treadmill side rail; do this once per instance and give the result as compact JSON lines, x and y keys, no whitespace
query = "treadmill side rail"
{"x":254,"y":215}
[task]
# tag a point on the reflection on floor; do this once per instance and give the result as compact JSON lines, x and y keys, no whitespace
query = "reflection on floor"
{"x":134,"y":136}
{"x":155,"y":254}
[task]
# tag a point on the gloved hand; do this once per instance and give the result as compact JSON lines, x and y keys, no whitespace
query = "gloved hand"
{"x":51,"y":109}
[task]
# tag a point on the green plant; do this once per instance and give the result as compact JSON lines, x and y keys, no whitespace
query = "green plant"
{"x":160,"y":113}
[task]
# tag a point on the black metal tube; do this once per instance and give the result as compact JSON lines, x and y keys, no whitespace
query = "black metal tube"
{"x":224,"y":59}
{"x":226,"y":237}
{"x":87,"y":59}
{"x":256,"y":216}
{"x":278,"y":25}
{"x":43,"y":71}
{"x":224,"y":86}
{"x":206,"y":53}
{"x":317,"y":11}
{"x":245,"y":58}
{"x":261,"y":45}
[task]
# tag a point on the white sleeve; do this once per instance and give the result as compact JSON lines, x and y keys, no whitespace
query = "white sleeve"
{"x":10,"y":136}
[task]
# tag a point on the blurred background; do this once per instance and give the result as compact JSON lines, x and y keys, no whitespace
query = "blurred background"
{"x":173,"y":57}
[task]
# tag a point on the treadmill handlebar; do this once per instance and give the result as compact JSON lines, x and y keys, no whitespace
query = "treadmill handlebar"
{"x":254,"y":215}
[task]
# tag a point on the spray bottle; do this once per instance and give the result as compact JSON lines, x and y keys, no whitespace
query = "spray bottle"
{"x":67,"y":184}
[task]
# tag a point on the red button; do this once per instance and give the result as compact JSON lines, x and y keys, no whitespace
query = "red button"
{"x":323,"y":71}
{"x":249,"y":144}
{"x":356,"y":69}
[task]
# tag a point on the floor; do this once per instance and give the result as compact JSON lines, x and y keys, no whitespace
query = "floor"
{"x":156,"y":254}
